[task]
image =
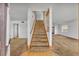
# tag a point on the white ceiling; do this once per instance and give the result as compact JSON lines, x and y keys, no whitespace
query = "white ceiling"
{"x":18,"y":11}
{"x":64,"y":12}
{"x":61,"y":12}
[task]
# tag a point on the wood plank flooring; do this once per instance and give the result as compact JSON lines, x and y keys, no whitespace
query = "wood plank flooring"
{"x":39,"y":45}
{"x":62,"y":46}
{"x":65,"y":46}
{"x":18,"y":46}
{"x":39,"y":38}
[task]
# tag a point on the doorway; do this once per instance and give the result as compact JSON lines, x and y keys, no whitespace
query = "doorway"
{"x":15,"y":30}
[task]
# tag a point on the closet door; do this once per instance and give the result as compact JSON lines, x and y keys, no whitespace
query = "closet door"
{"x":3,"y":15}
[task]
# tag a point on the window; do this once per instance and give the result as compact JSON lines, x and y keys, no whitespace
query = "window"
{"x":64,"y":28}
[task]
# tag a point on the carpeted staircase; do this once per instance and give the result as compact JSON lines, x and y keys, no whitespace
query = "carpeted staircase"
{"x":39,"y":39}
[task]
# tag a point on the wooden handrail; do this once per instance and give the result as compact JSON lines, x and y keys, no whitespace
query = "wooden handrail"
{"x":32,"y":28}
{"x":47,"y":12}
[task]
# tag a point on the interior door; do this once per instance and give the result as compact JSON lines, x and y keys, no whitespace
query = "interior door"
{"x":15,"y":30}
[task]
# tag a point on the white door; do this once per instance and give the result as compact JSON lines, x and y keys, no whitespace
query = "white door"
{"x":15,"y":30}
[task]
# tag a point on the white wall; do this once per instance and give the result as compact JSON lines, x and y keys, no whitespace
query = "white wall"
{"x":56,"y":29}
{"x":72,"y":17}
{"x":77,"y":19}
{"x":64,"y":12}
{"x":48,"y":26}
{"x":30,"y":23}
{"x":39,"y":15}
{"x":72,"y":29}
{"x":22,"y":29}
{"x":7,"y":27}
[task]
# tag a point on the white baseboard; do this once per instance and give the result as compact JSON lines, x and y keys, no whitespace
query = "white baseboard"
{"x":8,"y":50}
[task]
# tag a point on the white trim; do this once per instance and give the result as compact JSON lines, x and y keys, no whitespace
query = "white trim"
{"x":33,"y":29}
{"x":47,"y":33}
{"x":50,"y":26}
{"x":8,"y":50}
{"x":7,"y":32}
{"x":29,"y":29}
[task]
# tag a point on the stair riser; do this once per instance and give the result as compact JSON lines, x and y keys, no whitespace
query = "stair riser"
{"x":39,"y":45}
{"x":39,"y":38}
{"x":39,"y":41}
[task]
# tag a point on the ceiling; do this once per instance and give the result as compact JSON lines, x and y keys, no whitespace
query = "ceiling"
{"x":61,"y":12}
{"x":64,"y":12}
{"x":18,"y":11}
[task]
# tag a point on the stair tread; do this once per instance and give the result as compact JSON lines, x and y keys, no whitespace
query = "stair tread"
{"x":39,"y":38}
{"x":37,"y":49}
{"x":39,"y":43}
{"x":39,"y":46}
{"x":45,"y":45}
{"x":39,"y":34}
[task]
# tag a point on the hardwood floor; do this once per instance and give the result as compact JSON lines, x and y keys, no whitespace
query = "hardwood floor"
{"x":65,"y":46}
{"x":18,"y":46}
{"x":48,"y":53}
{"x":39,"y":44}
{"x":62,"y":46}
